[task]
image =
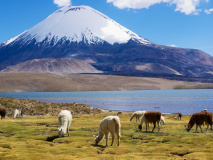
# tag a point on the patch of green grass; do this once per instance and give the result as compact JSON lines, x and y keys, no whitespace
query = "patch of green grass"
{"x":37,"y":138}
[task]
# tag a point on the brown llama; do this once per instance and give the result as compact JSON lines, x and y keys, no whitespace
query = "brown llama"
{"x":178,"y":115}
{"x":150,"y":117}
{"x":199,"y":118}
{"x":2,"y":113}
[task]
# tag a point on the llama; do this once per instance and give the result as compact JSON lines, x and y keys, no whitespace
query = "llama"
{"x":2,"y":113}
{"x":64,"y":118}
{"x":162,"y":121}
{"x":150,"y":117}
{"x":109,"y":124}
{"x":137,"y":115}
{"x":120,"y":112}
{"x":17,"y":113}
{"x":199,"y":118}
{"x":178,"y":115}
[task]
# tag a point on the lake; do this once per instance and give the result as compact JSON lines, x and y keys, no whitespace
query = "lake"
{"x":165,"y":101}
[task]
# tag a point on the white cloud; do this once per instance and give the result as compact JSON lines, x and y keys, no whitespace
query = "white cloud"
{"x":208,"y":11}
{"x":173,"y":45}
{"x":187,"y":6}
{"x":62,"y":3}
{"x":184,"y":6}
{"x":135,"y":4}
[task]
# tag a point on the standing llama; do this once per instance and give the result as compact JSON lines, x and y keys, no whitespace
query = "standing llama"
{"x":109,"y":124}
{"x":17,"y":113}
{"x":199,"y":118}
{"x":64,"y":118}
{"x":2,"y":113}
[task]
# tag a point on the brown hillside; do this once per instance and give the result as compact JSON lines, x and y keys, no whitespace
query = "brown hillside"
{"x":61,"y":65}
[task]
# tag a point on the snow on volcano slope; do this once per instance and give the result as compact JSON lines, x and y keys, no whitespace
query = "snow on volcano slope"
{"x":77,"y":24}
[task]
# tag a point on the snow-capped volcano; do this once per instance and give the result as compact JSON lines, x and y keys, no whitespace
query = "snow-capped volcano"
{"x":85,"y":34}
{"x":79,"y":24}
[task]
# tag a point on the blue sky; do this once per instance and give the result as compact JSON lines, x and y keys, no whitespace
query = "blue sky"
{"x":182,"y":23}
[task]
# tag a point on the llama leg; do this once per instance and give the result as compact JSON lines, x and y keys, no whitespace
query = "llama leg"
{"x":146,"y":126}
{"x":68,"y":129}
{"x":207,"y":126}
{"x":200,"y":128}
{"x":118,"y":135}
{"x":158,"y":126}
{"x":113,"y":137}
{"x":196,"y":128}
{"x":68,"y":132}
{"x":154,"y":126}
{"x":107,"y":138}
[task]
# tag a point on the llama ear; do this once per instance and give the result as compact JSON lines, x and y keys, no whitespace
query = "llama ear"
{"x":184,"y":125}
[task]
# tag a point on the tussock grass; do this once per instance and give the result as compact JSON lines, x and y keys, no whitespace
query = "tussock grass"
{"x":37,"y":108}
{"x":37,"y":138}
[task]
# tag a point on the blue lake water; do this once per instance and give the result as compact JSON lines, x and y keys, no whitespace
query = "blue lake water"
{"x":166,"y":101}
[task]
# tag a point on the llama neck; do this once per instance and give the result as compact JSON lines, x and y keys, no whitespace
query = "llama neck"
{"x":100,"y":136}
{"x":191,"y":123}
{"x":132,"y":117}
{"x":143,"y":119}
{"x":64,"y":127}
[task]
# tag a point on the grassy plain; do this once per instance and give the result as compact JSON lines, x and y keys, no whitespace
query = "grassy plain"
{"x":46,"y":82}
{"x":35,"y":137}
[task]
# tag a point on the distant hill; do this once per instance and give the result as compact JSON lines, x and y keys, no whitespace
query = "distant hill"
{"x":61,"y":65}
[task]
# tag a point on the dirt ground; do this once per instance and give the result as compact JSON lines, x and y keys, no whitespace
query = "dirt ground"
{"x":46,"y":82}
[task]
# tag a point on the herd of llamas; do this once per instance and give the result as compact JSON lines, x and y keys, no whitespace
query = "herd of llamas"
{"x":111,"y":124}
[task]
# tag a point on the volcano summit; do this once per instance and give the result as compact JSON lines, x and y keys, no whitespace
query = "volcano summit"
{"x":84,"y":33}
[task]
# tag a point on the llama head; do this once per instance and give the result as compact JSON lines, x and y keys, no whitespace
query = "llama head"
{"x":97,"y":140}
{"x":60,"y":132}
{"x":188,"y":127}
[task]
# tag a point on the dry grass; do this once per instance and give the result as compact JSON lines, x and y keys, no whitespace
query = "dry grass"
{"x":43,"y":82}
{"x":33,"y":107}
{"x":36,"y":138}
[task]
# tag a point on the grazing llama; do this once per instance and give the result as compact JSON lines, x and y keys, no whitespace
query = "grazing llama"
{"x":178,"y":115}
{"x":199,"y":118}
{"x":137,"y":115}
{"x":64,"y":118}
{"x":110,"y":124}
{"x":119,"y":113}
{"x":151,"y":117}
